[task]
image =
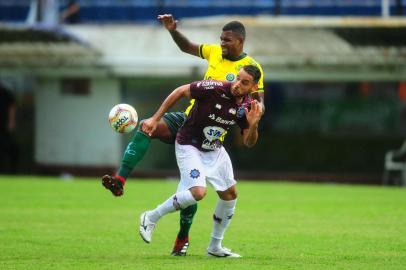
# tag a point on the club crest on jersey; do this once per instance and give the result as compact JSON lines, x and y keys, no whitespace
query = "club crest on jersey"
{"x":230,"y":77}
{"x":194,"y":173}
{"x":240,"y":112}
{"x":232,"y":111}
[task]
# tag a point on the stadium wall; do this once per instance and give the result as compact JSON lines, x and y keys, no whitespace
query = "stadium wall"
{"x":71,"y":126}
{"x":299,"y":141}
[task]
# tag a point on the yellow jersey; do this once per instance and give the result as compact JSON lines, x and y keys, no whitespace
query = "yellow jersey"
{"x":223,"y":69}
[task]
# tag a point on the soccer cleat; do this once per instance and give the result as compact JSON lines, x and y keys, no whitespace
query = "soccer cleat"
{"x":146,"y":227}
{"x":113,"y":184}
{"x":222,"y":253}
{"x":181,"y":246}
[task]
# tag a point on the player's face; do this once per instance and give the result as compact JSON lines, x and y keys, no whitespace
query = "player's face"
{"x":231,"y":44}
{"x":244,"y":84}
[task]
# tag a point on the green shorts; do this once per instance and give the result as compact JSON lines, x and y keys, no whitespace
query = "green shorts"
{"x":174,"y":120}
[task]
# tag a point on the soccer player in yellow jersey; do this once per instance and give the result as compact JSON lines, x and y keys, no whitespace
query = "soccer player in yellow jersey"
{"x":224,"y":59}
{"x":224,"y":62}
{"x":224,"y":67}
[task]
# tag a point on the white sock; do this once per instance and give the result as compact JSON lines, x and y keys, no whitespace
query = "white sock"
{"x":180,"y":200}
{"x":221,"y":219}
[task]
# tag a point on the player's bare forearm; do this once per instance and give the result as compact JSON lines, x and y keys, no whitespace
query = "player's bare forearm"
{"x":184,"y":44}
{"x":169,"y":22}
{"x":250,"y":135}
{"x":172,"y":99}
{"x":150,"y":125}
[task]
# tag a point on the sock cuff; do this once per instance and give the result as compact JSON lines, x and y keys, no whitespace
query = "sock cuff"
{"x":141,"y":133}
{"x":185,"y":199}
{"x":120,"y":178}
{"x":231,"y":203}
{"x":123,"y":172}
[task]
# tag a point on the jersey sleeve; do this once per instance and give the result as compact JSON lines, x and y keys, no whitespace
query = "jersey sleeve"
{"x":205,"y":50}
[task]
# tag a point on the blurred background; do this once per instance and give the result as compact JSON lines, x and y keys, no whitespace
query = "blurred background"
{"x":334,"y":74}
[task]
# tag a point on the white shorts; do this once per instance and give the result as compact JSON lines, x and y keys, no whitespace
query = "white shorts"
{"x":196,"y":167}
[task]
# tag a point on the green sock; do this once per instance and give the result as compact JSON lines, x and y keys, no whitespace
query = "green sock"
{"x":186,"y":220}
{"x":134,"y":153}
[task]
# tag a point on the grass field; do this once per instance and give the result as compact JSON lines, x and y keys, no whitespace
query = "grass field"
{"x":47,"y":223}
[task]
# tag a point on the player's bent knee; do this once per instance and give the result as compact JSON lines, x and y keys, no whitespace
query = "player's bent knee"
{"x":140,"y":126}
{"x":229,"y":194}
{"x":161,"y":132}
{"x":233,"y":194}
{"x":198,"y":192}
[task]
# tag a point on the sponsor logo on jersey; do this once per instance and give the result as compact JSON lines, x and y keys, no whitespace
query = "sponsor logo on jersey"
{"x":230,"y":77}
{"x":213,"y":133}
{"x":207,"y":85}
{"x":220,"y":120}
{"x":211,"y":83}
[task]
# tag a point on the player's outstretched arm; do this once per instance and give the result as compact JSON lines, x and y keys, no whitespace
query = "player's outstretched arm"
{"x":151,"y":124}
{"x":183,"y":43}
{"x":250,"y":135}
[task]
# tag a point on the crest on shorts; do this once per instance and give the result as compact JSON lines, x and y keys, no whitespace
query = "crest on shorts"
{"x":194,"y":173}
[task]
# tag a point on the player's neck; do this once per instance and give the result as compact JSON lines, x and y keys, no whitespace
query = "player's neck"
{"x":238,"y":100}
{"x":235,"y":58}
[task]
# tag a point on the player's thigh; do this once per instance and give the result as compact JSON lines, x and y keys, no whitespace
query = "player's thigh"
{"x":173,"y":121}
{"x":221,"y":174}
{"x":191,"y":168}
{"x":162,"y":132}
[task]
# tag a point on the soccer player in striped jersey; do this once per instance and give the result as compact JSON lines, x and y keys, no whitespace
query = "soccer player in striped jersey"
{"x":224,"y":62}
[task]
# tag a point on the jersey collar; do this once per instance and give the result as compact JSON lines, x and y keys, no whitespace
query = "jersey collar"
{"x":241,"y":56}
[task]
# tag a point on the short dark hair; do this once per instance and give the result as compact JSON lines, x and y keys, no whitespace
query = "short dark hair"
{"x":254,"y":71}
{"x":236,"y":27}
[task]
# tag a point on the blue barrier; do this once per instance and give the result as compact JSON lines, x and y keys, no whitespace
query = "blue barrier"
{"x":100,"y":11}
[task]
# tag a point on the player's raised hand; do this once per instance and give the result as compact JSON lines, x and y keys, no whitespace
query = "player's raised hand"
{"x":149,"y":126}
{"x":168,"y":21}
{"x":254,"y":115}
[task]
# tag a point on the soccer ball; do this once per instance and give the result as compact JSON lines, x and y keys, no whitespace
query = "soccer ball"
{"x":123,"y":118}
